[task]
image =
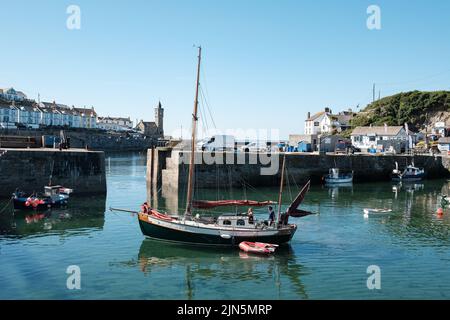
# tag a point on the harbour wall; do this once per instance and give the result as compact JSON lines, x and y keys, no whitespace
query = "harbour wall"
{"x":31,"y":169}
{"x":93,"y":139}
{"x":169,"y":168}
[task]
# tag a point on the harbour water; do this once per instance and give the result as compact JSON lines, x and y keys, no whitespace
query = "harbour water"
{"x":327,"y":258}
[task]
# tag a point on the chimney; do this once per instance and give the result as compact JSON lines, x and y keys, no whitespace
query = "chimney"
{"x":327,"y":109}
{"x":309,"y":115}
{"x":385,"y":128}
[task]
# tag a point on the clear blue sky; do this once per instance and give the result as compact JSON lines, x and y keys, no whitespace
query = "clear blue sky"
{"x":266,"y":63}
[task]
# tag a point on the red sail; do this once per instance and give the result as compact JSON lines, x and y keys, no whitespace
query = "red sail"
{"x":203,"y":204}
{"x":293,"y":210}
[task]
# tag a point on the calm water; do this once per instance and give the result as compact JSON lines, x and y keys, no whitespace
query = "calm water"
{"x":327,"y":259}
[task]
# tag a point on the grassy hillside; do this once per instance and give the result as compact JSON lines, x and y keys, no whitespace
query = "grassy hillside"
{"x":415,"y":108}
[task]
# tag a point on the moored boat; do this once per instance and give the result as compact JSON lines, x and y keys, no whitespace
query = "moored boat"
{"x":228,"y":230}
{"x":337,"y":177}
{"x":54,"y":196}
{"x":411,"y":173}
{"x":257,"y":247}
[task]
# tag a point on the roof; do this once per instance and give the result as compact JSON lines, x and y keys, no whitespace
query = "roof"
{"x":344,"y":119}
{"x":114,"y":118}
{"x":378,"y":131}
{"x":148,"y":125}
{"x":48,"y":107}
{"x":87,"y":111}
{"x":444,"y":140}
{"x":316,"y":116}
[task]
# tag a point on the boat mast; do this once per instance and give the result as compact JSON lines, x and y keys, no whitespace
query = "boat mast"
{"x":194,"y":131}
{"x":281,"y":189}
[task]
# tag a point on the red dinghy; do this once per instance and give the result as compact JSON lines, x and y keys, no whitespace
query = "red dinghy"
{"x":257,"y":247}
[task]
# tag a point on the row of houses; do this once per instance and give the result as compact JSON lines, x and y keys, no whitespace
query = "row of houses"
{"x":17,"y":111}
{"x":31,"y":114}
{"x":325,"y":127}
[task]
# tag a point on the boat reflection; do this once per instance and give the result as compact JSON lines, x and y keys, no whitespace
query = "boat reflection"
{"x":83,"y":214}
{"x":207,"y":263}
{"x":335,"y":189}
{"x":407,"y":186}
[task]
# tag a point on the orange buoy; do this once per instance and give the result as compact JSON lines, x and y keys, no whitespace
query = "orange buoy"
{"x":440,"y":212}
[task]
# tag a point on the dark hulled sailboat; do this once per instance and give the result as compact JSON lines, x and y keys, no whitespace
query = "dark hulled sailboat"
{"x":227,"y":230}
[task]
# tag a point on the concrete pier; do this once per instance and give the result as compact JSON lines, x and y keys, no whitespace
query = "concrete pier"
{"x":166,"y":168}
{"x":31,"y":169}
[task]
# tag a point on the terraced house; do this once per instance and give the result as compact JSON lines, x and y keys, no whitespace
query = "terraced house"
{"x":16,"y":110}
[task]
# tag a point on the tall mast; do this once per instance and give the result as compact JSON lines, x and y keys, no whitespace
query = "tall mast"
{"x":281,"y":188}
{"x":194,"y":131}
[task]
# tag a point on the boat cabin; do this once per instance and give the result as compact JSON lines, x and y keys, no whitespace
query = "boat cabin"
{"x":52,"y":190}
{"x":235,"y":221}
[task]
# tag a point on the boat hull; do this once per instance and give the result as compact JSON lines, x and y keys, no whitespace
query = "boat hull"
{"x":20,"y":204}
{"x":338,"y":180}
{"x":177,"y":232}
{"x":418,"y":177}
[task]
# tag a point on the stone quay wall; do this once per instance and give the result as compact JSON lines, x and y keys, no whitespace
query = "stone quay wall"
{"x":164,"y":168}
{"x":30,"y":170}
{"x":92,"y":138}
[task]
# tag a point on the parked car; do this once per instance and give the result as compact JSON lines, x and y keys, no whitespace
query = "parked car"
{"x":217,"y":143}
{"x":344,"y":147}
{"x":255,"y":147}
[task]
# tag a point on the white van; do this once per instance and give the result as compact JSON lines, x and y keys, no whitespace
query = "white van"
{"x":217,"y":143}
{"x":255,"y":146}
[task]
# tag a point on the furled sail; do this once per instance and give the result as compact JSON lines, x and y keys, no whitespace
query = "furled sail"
{"x":293,"y":209}
{"x":204,"y":204}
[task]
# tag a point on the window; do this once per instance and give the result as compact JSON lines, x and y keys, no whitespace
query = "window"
{"x":226,"y":222}
{"x":316,"y":124}
{"x":371,"y":138}
{"x":240,"y":222}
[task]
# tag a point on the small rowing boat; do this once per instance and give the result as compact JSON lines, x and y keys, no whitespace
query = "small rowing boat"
{"x":257,"y":247}
{"x":376,"y":212}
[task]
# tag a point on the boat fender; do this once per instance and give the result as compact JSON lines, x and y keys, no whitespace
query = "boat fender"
{"x":27,"y":203}
{"x":225,"y":236}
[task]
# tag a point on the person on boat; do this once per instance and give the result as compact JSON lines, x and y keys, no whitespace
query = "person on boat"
{"x":145,"y":207}
{"x":251,"y":219}
{"x":271,"y":216}
{"x":284,"y":219}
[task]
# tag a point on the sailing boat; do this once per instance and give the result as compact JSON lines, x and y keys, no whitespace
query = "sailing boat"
{"x":227,"y":230}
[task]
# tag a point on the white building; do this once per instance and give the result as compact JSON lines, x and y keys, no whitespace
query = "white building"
{"x":29,"y":115}
{"x":88,"y":118}
{"x":368,"y":137}
{"x":440,"y":129}
{"x":8,"y":115}
{"x":319,"y":123}
{"x":114,"y":123}
{"x":325,"y":122}
{"x":12,"y":95}
{"x":51,"y":116}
